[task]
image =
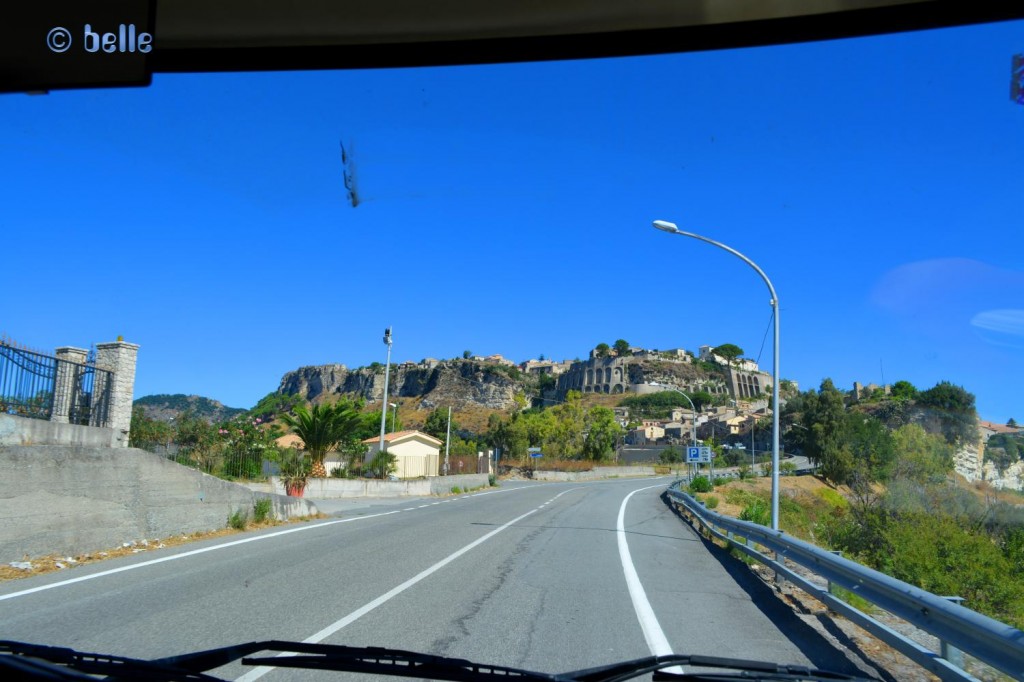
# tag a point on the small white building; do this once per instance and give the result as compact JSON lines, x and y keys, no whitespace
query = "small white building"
{"x":417,"y":454}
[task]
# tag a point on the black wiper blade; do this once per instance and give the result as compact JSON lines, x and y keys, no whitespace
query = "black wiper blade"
{"x":37,"y":661}
{"x":722,"y":669}
{"x":383,"y":661}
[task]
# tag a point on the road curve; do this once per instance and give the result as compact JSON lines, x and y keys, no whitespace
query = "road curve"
{"x":539,"y":576}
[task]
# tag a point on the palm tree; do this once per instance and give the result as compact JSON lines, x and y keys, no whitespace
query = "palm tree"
{"x":321,"y":429}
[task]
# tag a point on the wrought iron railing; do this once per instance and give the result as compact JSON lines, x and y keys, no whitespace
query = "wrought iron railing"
{"x":41,"y":386}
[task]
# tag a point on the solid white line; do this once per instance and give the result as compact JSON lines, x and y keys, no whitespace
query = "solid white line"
{"x":151,"y":562}
{"x":193,"y":552}
{"x":655,"y":636}
{"x":260,"y":671}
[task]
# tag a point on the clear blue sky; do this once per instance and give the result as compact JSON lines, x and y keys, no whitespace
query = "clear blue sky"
{"x":507,"y":209}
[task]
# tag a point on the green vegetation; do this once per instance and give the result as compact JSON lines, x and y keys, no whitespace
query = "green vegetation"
{"x":322,"y":428}
{"x":210,"y":410}
{"x":758,"y":511}
{"x":700,"y":484}
{"x":239,"y":519}
{"x":602,"y":350}
{"x":660,"y":405}
{"x":148,"y":433}
{"x":1004,"y":450}
{"x":729,"y":351}
{"x":261,"y":509}
{"x":566,"y":431}
{"x":622,"y":348}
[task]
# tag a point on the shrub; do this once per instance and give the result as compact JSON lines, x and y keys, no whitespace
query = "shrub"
{"x":239,"y":519}
{"x":757,"y":512}
{"x":700,"y":484}
{"x":261,"y":509}
{"x":456,"y":490}
{"x":492,"y":480}
{"x":711,"y":502}
{"x":719,"y":480}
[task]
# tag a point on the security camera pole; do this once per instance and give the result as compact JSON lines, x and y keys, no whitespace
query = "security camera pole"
{"x":382,"y":447}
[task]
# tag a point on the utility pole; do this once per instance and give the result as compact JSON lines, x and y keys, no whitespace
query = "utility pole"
{"x":447,"y":440}
{"x":382,"y":446}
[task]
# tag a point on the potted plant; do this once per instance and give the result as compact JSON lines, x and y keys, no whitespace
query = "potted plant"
{"x":294,"y":470}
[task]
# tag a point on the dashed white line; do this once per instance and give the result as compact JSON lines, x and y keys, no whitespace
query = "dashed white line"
{"x":259,"y":672}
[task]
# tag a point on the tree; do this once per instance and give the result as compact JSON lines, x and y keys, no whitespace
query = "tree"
{"x":467,"y":354}
{"x":622,"y":348}
{"x":198,"y":442}
{"x":903,"y":390}
{"x":824,"y":419}
{"x":322,"y":428}
{"x":950,"y":410}
{"x":1012,"y":423}
{"x":146,"y":433}
{"x":602,"y":433}
{"x":437,"y":423}
{"x":602,"y":350}
{"x":729,"y":351}
{"x":920,"y":456}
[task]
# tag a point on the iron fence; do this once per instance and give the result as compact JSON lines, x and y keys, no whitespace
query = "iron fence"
{"x":41,"y":386}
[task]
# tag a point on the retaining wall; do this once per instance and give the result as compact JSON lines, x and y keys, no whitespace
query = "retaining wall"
{"x":335,"y":488}
{"x":594,"y":474}
{"x":71,"y":500}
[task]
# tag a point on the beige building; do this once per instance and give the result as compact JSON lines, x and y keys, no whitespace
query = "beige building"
{"x":417,"y":454}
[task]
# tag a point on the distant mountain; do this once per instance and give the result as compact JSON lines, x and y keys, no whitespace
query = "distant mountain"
{"x":164,"y":407}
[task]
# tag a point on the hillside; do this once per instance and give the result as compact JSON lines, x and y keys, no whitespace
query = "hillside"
{"x":164,"y":407}
{"x":463,"y":384}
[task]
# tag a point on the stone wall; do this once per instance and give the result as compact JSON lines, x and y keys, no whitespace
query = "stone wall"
{"x":70,"y":500}
{"x":24,"y":431}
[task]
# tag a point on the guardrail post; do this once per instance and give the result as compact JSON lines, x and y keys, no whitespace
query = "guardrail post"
{"x":837,"y":553}
{"x":947,"y":650}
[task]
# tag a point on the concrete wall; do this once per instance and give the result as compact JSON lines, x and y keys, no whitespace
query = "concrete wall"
{"x":70,"y":500}
{"x":595,"y":474}
{"x":24,"y":431}
{"x":335,"y":488}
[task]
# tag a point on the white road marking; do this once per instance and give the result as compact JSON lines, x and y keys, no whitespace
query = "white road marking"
{"x":260,"y":671}
{"x":174,"y":557}
{"x":653,"y":634}
{"x":193,"y":552}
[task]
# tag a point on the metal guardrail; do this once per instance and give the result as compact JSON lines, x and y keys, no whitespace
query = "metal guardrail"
{"x":958,"y":628}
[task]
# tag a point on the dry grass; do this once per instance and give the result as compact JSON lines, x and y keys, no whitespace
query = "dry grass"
{"x":54,"y":562}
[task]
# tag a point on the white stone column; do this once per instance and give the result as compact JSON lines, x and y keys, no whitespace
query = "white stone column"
{"x":69,"y":361}
{"x":119,"y":357}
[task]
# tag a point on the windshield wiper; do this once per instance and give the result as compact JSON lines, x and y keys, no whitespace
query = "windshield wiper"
{"x":19,"y":660}
{"x":71,"y":664}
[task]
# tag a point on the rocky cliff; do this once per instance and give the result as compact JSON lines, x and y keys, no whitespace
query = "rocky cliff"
{"x":460,"y":383}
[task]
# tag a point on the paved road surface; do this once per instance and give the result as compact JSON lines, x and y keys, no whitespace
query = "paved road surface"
{"x":530,"y":575}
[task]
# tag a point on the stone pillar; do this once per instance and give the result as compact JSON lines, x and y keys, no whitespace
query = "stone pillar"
{"x":118,"y":357}
{"x":69,"y":361}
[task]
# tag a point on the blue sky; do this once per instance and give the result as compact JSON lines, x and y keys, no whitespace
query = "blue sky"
{"x":507,"y":209}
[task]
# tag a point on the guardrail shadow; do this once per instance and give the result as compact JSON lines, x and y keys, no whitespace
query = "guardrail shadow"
{"x":821,"y":652}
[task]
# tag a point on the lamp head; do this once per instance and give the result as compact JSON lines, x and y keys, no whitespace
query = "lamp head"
{"x":665,"y":226}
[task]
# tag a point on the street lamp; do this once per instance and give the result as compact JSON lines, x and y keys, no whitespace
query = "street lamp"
{"x":382,"y":446}
{"x":394,"y":415}
{"x":693,"y":422}
{"x":671,"y":228}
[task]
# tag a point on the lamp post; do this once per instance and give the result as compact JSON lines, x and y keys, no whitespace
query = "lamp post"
{"x":693,"y":421}
{"x":671,"y":228}
{"x":382,"y":446}
{"x":394,"y":415}
{"x":447,"y":440}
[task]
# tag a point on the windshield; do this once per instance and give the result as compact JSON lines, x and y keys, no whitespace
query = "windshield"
{"x":254,"y":233}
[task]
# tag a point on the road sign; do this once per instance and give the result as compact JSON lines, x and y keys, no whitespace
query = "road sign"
{"x":536,"y":454}
{"x":693,"y":455}
{"x":705,"y":453}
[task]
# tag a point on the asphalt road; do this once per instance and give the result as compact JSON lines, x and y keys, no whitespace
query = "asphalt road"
{"x":531,"y":575}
